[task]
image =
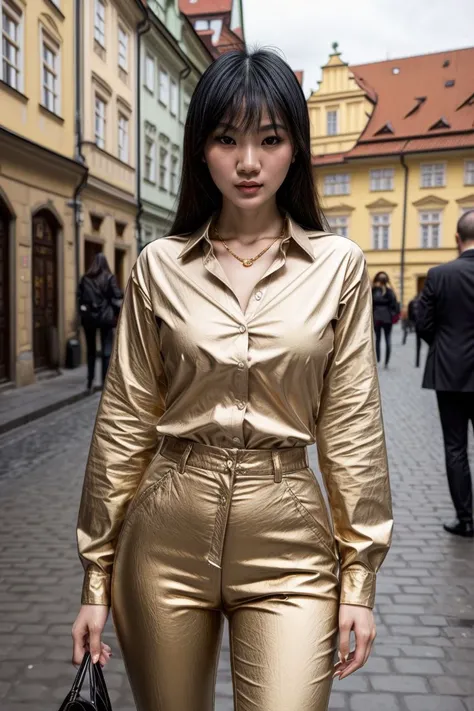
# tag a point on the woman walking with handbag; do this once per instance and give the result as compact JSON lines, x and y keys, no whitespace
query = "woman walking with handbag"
{"x":99,"y":300}
{"x":245,"y":335}
{"x":386,"y":313}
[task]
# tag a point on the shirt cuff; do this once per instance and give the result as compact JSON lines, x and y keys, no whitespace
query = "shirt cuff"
{"x":96,"y":587}
{"x":357,"y":587}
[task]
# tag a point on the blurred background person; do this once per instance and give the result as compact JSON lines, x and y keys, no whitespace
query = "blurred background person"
{"x":445,"y":320}
{"x":386,"y":310}
{"x":99,"y":300}
{"x":413,"y":308}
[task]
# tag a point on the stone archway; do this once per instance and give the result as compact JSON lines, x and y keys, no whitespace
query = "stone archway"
{"x":45,"y":286}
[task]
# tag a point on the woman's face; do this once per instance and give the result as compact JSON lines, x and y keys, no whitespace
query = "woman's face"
{"x":248,"y":168}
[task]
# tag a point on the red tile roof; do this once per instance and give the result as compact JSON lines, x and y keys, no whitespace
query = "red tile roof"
{"x":205,"y":7}
{"x":423,"y":103}
{"x":299,"y":75}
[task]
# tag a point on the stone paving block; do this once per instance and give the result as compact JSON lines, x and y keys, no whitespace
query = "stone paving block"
{"x":420,"y":651}
{"x":423,"y":667}
{"x":355,"y":682}
{"x":337,"y":701}
{"x":399,"y":683}
{"x":374,"y":702}
{"x":433,"y":703}
{"x":453,"y":686}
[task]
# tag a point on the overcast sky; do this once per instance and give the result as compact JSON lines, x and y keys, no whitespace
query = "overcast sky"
{"x":366,"y":30}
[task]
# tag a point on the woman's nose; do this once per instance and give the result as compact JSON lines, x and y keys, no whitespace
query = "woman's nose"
{"x":248,"y":160}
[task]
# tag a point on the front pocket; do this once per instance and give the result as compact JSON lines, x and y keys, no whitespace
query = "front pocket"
{"x":147,"y":492}
{"x":321,"y":527}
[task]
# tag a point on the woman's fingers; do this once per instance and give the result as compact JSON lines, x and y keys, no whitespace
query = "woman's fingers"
{"x":79,"y":647}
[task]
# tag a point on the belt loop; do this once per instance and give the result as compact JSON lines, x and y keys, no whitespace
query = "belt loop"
{"x":184,"y":458}
{"x":277,"y":472}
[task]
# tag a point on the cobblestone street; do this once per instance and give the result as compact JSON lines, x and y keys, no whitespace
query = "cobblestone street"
{"x":423,"y":658}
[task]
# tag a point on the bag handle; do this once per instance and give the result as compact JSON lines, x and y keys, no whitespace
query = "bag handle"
{"x":98,"y":688}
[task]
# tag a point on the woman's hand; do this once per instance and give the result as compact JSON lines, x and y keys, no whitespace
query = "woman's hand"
{"x":360,"y":620}
{"x":86,"y":633}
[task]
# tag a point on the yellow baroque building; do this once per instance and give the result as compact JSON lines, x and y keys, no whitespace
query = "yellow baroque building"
{"x":393,"y":154}
{"x":38,"y":180}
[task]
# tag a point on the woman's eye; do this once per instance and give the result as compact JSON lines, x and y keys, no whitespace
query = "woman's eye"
{"x":225,"y":140}
{"x":272,"y":140}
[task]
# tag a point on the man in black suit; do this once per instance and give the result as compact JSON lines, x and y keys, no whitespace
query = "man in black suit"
{"x":445,"y":320}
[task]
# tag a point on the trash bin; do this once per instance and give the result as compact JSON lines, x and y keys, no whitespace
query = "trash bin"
{"x":73,"y":353}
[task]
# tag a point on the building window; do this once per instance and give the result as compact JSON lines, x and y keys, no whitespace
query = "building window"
{"x":122,"y":49}
{"x":469,"y":172}
{"x":123,"y":138}
{"x":339,"y":225}
{"x":174,"y":174}
{"x":11,"y":45}
{"x":50,"y":74}
{"x":201,"y":25}
{"x":99,"y":22}
{"x":332,"y":127}
{"x":150,"y":73}
{"x":148,"y":234}
{"x":150,"y":160}
{"x":186,"y":102}
{"x":433,"y":175}
{"x":430,"y":228}
{"x":163,"y":168}
{"x":338,"y":184}
{"x":174,"y":98}
{"x":164,"y":90}
{"x":100,"y":122}
{"x":381,"y":179}
{"x":381,"y":231}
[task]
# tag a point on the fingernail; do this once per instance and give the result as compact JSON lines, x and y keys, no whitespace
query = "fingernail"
{"x":95,"y":658}
{"x":335,"y":674}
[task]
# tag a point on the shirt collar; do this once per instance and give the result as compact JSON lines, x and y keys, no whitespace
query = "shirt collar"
{"x":296,"y":232}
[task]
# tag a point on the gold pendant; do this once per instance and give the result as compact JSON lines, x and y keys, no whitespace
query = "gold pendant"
{"x":247,"y":262}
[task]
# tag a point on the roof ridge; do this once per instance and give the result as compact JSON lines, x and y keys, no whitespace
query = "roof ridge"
{"x":412,"y":56}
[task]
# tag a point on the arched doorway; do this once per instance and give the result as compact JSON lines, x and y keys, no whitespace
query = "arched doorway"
{"x":45,"y":287}
{"x":4,"y":293}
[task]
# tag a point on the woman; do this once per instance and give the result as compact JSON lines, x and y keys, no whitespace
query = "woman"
{"x":99,"y":297}
{"x":385,"y":309}
{"x":245,"y":335}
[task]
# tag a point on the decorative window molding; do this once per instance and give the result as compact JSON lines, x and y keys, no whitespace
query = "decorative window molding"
{"x":123,"y":42}
{"x":430,"y":229}
{"x":174,"y":170}
{"x":150,"y":159}
{"x":164,"y":87}
{"x":100,"y":121}
{"x":382,"y":204}
{"x":50,"y":68}
{"x":99,"y":22}
{"x":123,"y":137}
{"x":150,"y":71}
{"x":381,"y":224}
{"x":341,"y":209}
{"x":174,"y":98}
{"x":164,"y":168}
{"x":430,"y":202}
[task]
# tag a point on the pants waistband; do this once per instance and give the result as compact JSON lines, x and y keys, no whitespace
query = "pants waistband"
{"x":271,"y":462}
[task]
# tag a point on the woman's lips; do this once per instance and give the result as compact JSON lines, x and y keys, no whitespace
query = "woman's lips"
{"x":249,"y":189}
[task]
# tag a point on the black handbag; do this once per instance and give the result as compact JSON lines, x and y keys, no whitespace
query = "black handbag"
{"x":99,"y":698}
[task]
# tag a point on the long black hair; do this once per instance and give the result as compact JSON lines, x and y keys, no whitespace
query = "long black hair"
{"x":237,"y":88}
{"x":99,"y":271}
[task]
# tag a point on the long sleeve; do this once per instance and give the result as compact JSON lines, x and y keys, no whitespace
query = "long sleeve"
{"x":124,"y":437}
{"x":425,"y":318}
{"x":351,"y":443}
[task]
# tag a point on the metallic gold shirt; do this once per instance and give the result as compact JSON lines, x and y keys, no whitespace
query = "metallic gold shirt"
{"x":297,"y":367}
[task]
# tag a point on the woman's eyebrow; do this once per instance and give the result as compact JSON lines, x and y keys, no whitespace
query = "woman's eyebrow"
{"x":264,"y":127}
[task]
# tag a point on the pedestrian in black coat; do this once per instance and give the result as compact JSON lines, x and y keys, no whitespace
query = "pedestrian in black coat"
{"x":385,"y":310}
{"x":445,"y":320}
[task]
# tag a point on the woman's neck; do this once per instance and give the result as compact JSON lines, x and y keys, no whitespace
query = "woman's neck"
{"x":248,"y":226}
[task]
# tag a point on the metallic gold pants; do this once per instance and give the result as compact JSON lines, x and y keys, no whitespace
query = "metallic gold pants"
{"x":241,"y":533}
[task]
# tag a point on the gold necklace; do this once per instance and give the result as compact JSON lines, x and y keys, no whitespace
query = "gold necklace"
{"x":249,"y":261}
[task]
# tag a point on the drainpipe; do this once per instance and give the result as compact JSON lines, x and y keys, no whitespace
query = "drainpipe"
{"x":79,"y":155}
{"x":142,"y":29}
{"x":404,"y":229}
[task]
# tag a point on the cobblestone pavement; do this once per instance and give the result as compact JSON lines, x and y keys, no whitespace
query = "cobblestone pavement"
{"x":424,"y":654}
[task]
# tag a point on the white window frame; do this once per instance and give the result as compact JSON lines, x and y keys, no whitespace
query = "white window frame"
{"x":433,"y":175}
{"x":332,"y":122}
{"x":50,"y":73}
{"x":150,"y":72}
{"x":163,"y":86}
{"x":469,"y":172}
{"x":174,"y":173}
{"x":174,"y":98}
{"x":99,"y":22}
{"x":150,"y":159}
{"x":122,"y":36}
{"x":15,"y":15}
{"x":381,"y":179}
{"x":430,"y":228}
{"x":100,"y":121}
{"x":164,"y":168}
{"x":123,"y":137}
{"x":381,"y":230}
{"x":339,"y":224}
{"x":337,"y":184}
{"x":201,"y":25}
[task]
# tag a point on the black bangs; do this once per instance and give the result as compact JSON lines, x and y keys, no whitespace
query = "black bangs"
{"x":236,"y":91}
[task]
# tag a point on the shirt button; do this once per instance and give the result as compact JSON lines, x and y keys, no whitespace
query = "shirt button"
{"x":241,"y":405}
{"x":258,"y":295}
{"x":242,"y":329}
{"x":236,"y":439}
{"x":229,"y":463}
{"x":223,"y":499}
{"x":241,"y":365}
